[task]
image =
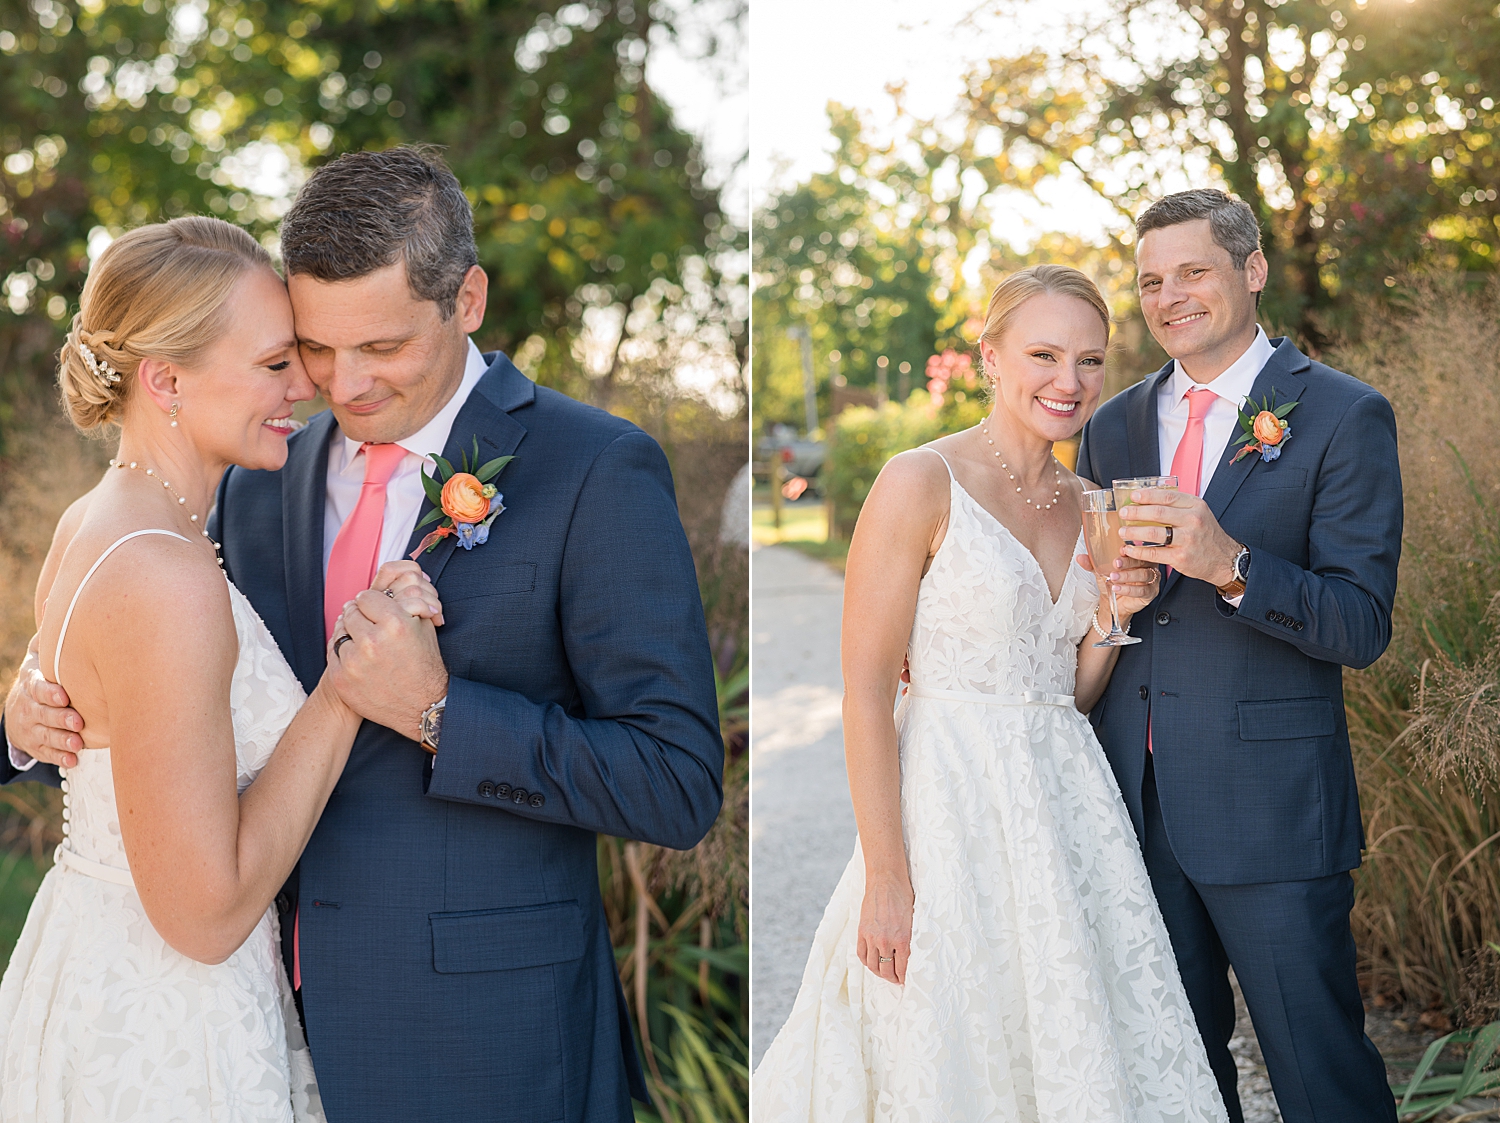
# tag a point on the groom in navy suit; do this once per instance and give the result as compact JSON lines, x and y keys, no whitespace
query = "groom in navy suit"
{"x":1225,"y":725}
{"x":445,"y":923}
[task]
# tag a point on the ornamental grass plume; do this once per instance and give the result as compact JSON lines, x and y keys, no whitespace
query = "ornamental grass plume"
{"x":1424,"y":718}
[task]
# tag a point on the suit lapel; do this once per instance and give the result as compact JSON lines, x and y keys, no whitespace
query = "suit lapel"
{"x":485,"y":416}
{"x":304,"y":491}
{"x":1281,"y":377}
{"x":1141,"y":427}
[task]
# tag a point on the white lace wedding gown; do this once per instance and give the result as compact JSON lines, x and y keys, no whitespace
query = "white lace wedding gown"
{"x":100,"y":1020}
{"x":1041,"y":986}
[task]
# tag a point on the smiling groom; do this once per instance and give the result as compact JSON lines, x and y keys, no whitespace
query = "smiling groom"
{"x":1225,"y":725}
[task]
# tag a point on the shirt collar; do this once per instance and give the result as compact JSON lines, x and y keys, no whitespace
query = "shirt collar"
{"x":432,"y":437}
{"x":1234,"y":385}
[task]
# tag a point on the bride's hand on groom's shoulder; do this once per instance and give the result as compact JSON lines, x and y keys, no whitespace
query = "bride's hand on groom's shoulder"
{"x":885,"y":928}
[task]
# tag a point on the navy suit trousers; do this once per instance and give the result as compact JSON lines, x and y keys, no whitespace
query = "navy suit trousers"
{"x":1291,"y":950}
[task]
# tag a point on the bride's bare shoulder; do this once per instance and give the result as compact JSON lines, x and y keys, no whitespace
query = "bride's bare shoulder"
{"x":917,"y":476}
{"x":62,"y":538}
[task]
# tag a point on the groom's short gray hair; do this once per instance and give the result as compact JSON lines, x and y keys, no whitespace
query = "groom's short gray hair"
{"x":1231,"y":220}
{"x":366,"y":210}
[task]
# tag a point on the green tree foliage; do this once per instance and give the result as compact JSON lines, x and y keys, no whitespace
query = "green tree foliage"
{"x":588,"y":198}
{"x":844,"y":255}
{"x":1325,"y":115}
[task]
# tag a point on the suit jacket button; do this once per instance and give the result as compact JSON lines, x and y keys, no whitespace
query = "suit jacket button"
{"x":283,"y":902}
{"x":518,"y":795}
{"x":1296,"y":625}
{"x":1164,"y":618}
{"x":486,"y":789}
{"x":537,"y":799}
{"x":502,"y":791}
{"x":1145,"y":693}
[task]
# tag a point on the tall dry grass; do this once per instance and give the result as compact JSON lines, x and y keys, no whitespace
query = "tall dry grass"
{"x":1425,"y":719}
{"x":47,"y":465}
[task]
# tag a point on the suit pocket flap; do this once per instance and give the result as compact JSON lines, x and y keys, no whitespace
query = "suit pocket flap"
{"x":506,"y":939}
{"x":1277,"y":477}
{"x":1285,"y":720}
{"x":489,"y":581}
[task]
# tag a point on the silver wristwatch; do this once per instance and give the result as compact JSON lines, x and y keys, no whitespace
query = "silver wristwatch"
{"x":432,"y":724}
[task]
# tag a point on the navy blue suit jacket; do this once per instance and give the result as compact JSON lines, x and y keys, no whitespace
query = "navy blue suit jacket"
{"x":1251,"y":748}
{"x":456,"y":961}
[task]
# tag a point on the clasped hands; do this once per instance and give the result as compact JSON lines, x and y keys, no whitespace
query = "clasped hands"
{"x":383,"y":658}
{"x":388,"y":672}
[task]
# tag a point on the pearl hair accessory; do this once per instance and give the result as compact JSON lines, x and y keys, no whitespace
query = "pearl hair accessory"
{"x":99,"y":368}
{"x":173,"y":491}
{"x":1056,"y":473}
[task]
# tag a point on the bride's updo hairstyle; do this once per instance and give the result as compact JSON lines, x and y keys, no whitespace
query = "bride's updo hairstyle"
{"x":156,"y":292}
{"x":1018,"y":288}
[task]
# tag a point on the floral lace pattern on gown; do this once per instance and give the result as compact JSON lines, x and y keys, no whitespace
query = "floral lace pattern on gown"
{"x":99,"y":1018}
{"x":1041,"y":986}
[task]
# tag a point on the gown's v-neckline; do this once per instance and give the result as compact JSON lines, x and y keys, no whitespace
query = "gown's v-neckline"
{"x":1032,"y":558}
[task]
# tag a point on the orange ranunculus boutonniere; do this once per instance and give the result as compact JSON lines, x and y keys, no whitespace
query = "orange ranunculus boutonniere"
{"x":1264,"y":430}
{"x":465,"y":503}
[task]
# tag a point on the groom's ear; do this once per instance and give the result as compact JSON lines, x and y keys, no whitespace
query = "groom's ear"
{"x":1256,"y":272}
{"x":473,"y":296}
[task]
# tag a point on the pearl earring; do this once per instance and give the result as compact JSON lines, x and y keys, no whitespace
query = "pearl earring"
{"x":172,"y":413}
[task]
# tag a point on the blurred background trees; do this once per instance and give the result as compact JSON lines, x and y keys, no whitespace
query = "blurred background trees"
{"x":617,"y":271}
{"x":1363,"y":133}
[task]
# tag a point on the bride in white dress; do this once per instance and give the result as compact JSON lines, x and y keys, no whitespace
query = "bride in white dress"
{"x":147,"y":982}
{"x":993,"y":950}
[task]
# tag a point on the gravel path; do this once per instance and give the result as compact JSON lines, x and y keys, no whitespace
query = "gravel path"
{"x":802,"y":824}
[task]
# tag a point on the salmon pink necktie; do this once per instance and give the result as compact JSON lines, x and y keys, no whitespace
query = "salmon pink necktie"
{"x":356,"y":551}
{"x":351,"y":568}
{"x":1187,"y":461}
{"x":1187,"y":464}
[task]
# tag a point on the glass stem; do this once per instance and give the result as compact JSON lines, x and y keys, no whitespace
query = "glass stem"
{"x":1114,"y":612}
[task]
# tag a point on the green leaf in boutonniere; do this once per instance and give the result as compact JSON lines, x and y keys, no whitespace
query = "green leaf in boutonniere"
{"x":491,"y":469}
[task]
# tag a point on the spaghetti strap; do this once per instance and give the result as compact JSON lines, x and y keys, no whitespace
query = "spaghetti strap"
{"x":944,"y":459}
{"x":72,"y":604}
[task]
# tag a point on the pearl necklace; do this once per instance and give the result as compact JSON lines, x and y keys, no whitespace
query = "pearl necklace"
{"x":1056,"y":473}
{"x":180,"y":499}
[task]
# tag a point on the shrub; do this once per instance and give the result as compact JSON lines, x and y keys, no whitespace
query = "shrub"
{"x":862,"y":439}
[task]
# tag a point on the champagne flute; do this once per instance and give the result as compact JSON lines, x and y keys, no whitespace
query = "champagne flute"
{"x":1101,"y":530}
{"x":1123,"y":488}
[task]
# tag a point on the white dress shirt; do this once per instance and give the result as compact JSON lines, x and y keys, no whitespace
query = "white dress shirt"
{"x":403,"y":493}
{"x":1221,"y":423}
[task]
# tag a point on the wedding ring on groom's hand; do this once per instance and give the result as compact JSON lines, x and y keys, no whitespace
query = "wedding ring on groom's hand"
{"x":1168,"y":542}
{"x":338,"y":643}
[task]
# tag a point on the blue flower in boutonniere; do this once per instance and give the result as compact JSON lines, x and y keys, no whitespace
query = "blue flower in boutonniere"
{"x":465,"y":502}
{"x":1266,"y":430}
